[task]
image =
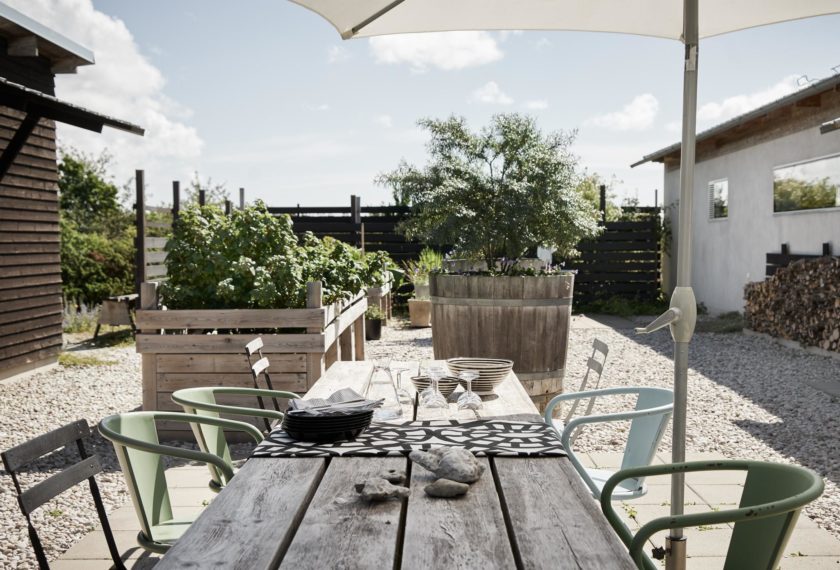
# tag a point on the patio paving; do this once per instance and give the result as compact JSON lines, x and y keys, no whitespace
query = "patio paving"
{"x":810,"y":547}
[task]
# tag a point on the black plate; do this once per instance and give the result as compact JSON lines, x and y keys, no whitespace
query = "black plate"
{"x":326,"y":437}
{"x":332,"y":420}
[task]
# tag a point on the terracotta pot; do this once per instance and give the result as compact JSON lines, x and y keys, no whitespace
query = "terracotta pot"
{"x":420,"y":312}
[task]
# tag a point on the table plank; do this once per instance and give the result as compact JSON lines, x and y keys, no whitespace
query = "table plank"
{"x":340,"y":530}
{"x":250,"y":523}
{"x":468,"y":532}
{"x":555,"y":521}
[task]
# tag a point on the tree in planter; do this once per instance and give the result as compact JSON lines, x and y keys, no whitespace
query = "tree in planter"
{"x":496,"y":193}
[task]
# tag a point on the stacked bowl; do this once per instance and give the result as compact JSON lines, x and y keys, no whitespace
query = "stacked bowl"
{"x":491,"y":372}
{"x":327,"y":428}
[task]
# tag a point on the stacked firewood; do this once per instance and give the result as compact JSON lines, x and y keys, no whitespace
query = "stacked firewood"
{"x":800,"y":302}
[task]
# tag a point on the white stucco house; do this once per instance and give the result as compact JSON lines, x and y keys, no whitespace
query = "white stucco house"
{"x":763,"y":179}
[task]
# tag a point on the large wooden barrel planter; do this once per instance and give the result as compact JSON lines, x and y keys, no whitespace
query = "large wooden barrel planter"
{"x":524,"y":319}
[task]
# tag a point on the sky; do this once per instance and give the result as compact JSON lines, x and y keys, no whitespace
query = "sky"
{"x":265,"y":95}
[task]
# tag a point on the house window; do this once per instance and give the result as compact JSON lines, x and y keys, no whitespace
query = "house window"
{"x":807,"y":185}
{"x":718,"y":199}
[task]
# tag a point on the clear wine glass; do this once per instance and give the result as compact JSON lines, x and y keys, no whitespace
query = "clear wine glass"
{"x":433,"y":397}
{"x":469,"y":400}
{"x":432,"y":371}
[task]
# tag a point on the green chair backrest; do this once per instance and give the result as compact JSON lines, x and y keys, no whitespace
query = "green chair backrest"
{"x":646,"y":432}
{"x":761,"y":543}
{"x":211,"y":439}
{"x":143,"y":470}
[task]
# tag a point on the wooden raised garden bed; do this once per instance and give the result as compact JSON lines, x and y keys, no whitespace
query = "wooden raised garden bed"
{"x":183,"y":348}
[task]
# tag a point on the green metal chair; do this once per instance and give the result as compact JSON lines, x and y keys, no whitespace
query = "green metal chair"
{"x":140,"y":454}
{"x":211,"y":439}
{"x":647,"y":425}
{"x":773,"y":496}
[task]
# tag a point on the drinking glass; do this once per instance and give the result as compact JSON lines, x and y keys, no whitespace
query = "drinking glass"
{"x":402,"y":393}
{"x":381,"y":386}
{"x":432,"y":397}
{"x":469,"y":400}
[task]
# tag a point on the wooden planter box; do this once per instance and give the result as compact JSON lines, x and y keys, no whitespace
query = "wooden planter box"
{"x":521,"y":318}
{"x":180,"y":350}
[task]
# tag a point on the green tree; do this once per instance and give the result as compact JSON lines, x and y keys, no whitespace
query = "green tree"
{"x":499,"y":192}
{"x":590,"y":188}
{"x":97,"y":235}
{"x":214,"y":192}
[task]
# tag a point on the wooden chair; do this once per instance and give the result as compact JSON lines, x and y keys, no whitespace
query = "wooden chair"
{"x":647,"y":425}
{"x":594,"y":367}
{"x":772,"y":498}
{"x":34,"y":497}
{"x":260,"y":368}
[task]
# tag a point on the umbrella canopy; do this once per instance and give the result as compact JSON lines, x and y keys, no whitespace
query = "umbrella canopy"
{"x":683,"y":20}
{"x":657,"y":18}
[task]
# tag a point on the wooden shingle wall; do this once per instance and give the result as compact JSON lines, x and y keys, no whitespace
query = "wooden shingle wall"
{"x":30,"y":270}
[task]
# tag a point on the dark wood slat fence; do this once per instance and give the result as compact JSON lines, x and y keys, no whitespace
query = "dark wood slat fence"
{"x":778,"y":260}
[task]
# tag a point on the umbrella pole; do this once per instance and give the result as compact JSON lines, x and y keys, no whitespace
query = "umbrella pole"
{"x":683,"y":299}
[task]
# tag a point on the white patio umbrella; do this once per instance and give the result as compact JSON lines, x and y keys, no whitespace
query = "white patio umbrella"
{"x":684,"y":20}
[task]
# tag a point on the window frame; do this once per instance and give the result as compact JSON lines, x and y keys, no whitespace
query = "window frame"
{"x":710,"y":197}
{"x":835,"y":208}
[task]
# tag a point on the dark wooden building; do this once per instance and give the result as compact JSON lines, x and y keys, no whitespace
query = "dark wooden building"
{"x":30,"y":271}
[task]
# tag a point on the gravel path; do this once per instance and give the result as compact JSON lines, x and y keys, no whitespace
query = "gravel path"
{"x":748,"y":398}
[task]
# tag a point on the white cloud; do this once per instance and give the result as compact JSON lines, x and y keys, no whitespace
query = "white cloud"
{"x":316,"y":107}
{"x":541,"y":43}
{"x":385,"y":121}
{"x":337,"y":54}
{"x":739,"y":104}
{"x":536,"y":104}
{"x":505,"y":34}
{"x":122,"y":83}
{"x":637,"y":115}
{"x":442,"y":50}
{"x":492,"y":94}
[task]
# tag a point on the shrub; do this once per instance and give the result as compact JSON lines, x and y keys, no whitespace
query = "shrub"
{"x":501,"y":192}
{"x":253,"y":259}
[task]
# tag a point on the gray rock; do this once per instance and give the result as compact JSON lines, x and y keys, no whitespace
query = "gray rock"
{"x":395,"y":476}
{"x":446,"y":488}
{"x":379,"y":489}
{"x":455,"y":463}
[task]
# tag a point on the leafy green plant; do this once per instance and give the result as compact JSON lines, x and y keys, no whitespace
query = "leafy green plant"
{"x":500,"y":192}
{"x":71,"y":359}
{"x":97,"y":235}
{"x":253,"y":259}
{"x":417,"y":270}
{"x":374,"y":313}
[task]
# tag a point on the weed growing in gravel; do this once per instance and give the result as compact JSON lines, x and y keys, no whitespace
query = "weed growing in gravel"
{"x":55,"y":512}
{"x":72,"y":359}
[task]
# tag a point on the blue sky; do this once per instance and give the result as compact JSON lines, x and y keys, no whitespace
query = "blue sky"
{"x":263,"y":94}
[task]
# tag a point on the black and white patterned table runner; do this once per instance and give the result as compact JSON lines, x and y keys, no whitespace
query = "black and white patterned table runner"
{"x":482,"y":437}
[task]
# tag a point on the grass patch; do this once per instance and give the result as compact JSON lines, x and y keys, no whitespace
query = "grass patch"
{"x":71,"y":359}
{"x":724,"y":323}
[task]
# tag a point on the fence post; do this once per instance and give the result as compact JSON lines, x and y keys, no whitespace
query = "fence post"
{"x":785,"y":249}
{"x":241,"y":198}
{"x":228,"y":207}
{"x":315,"y":362}
{"x":356,"y":217}
{"x":149,"y":302}
{"x":140,"y":239}
{"x":176,"y":201}
{"x":202,"y":196}
{"x":603,"y":206}
{"x":826,"y":248}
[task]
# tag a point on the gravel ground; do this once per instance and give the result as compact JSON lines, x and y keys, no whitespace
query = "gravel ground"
{"x":748,"y":399}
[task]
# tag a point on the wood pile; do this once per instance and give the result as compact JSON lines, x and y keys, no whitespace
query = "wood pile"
{"x":801,"y":302}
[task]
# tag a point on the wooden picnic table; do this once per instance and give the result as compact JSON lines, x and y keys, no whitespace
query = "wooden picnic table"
{"x":303,"y":512}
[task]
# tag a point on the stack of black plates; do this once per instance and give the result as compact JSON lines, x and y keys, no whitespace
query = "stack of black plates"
{"x":325,"y":429}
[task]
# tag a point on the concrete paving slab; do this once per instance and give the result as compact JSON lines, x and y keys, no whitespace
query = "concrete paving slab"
{"x":601,"y":322}
{"x":727,"y":495}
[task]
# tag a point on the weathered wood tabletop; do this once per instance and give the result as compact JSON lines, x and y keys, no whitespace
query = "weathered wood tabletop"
{"x":304,"y":513}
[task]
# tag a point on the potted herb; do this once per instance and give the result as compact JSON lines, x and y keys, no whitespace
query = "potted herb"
{"x":373,"y":323}
{"x":417,"y":273}
{"x":493,"y":197}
